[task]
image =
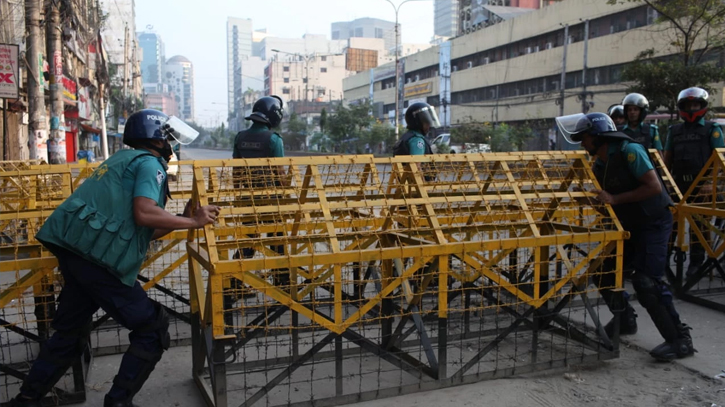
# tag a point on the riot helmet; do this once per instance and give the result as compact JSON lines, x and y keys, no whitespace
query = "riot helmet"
{"x":419,"y":114}
{"x":615,"y":111}
{"x":636,"y":99}
{"x":692,"y":94}
{"x":268,"y":110}
{"x":148,"y":124}
{"x":574,"y":126}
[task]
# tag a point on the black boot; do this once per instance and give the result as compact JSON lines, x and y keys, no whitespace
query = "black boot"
{"x":627,"y":323}
{"x":682,"y":347}
{"x":109,"y":402}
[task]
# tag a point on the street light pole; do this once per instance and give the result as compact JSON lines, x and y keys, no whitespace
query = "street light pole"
{"x":398,"y":85}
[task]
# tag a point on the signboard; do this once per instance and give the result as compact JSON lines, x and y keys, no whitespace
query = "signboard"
{"x":69,"y":88}
{"x":9,"y":71}
{"x":57,"y":63}
{"x":359,"y":60}
{"x":418,"y":89}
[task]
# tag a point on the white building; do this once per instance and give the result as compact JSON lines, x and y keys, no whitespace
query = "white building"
{"x":239,"y":47}
{"x":445,"y":19}
{"x":180,"y":78}
{"x":365,"y":28}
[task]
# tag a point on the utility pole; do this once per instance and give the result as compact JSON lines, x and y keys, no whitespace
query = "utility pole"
{"x":56,"y":154}
{"x":585,"y":104}
{"x":36,"y":101}
{"x":104,"y":135}
{"x":125,"y":66}
{"x":562,"y":83}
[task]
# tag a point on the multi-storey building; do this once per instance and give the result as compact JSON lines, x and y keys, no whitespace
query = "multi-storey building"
{"x":240,"y":40}
{"x":445,"y":18}
{"x":180,"y":79}
{"x":512,"y":71}
{"x":365,"y":28}
{"x":154,"y":56}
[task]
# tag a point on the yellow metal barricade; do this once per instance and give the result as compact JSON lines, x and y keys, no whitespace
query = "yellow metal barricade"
{"x":427,"y":263}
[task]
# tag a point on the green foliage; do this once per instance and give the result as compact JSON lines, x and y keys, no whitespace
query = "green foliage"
{"x":501,"y":138}
{"x":323,"y":119}
{"x":296,"y":124}
{"x":662,"y":81}
{"x":693,"y":29}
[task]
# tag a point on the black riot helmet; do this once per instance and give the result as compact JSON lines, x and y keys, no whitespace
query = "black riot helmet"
{"x":615,"y":111}
{"x":574,"y":126}
{"x":636,"y":99}
{"x":419,"y":114}
{"x":267,"y":110}
{"x":144,"y":125}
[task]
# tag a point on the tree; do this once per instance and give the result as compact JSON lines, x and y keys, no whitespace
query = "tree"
{"x":347,"y":125}
{"x":323,"y":119}
{"x":661,"y":81}
{"x":694,"y":29}
{"x":296,"y":124}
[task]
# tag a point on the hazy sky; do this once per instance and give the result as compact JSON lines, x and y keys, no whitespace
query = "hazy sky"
{"x":197,"y":30}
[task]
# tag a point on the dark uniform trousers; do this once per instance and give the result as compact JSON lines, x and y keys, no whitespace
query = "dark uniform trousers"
{"x":88,"y":287}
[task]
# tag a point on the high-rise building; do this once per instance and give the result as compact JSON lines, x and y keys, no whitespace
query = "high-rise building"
{"x":179,"y":77}
{"x":445,"y":22}
{"x":240,"y":40}
{"x":154,"y":57}
{"x":365,"y":28}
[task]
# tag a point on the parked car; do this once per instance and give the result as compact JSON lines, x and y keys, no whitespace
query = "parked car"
{"x":445,"y":140}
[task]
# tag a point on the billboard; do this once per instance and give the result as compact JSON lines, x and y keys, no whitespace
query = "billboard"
{"x":359,"y":60}
{"x":9,"y":71}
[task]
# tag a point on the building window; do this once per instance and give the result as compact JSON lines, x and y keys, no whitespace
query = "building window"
{"x":304,"y":80}
{"x":378,"y":33}
{"x":285,"y":69}
{"x":285,"y":91}
{"x":323,"y":59}
{"x":323,"y":70}
{"x":359,"y":32}
{"x":286,"y":80}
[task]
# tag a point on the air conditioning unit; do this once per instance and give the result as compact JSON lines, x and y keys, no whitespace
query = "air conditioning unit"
{"x":469,"y":64}
{"x":629,"y":24}
{"x":555,"y":84}
{"x":536,"y":48}
{"x":455,"y":68}
{"x":417,"y":78}
{"x":549,"y":45}
{"x":528,"y":50}
{"x":569,"y":39}
{"x":468,"y":30}
{"x":486,"y":61}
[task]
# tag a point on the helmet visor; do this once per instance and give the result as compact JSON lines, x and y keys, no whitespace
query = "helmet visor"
{"x":572,"y":126}
{"x":427,"y":115}
{"x":178,"y":132}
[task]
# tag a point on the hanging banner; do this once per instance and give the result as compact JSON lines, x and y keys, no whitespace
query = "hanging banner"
{"x":401,"y":94}
{"x":445,"y":84}
{"x":9,"y":71}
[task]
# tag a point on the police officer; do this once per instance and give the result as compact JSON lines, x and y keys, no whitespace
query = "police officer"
{"x":635,"y":110}
{"x":631,"y":185}
{"x":616,"y":112}
{"x":100,"y":235}
{"x":260,"y":141}
{"x":419,"y":118}
{"x":688,"y":147}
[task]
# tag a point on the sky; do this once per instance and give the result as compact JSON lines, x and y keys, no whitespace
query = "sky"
{"x":197,"y":30}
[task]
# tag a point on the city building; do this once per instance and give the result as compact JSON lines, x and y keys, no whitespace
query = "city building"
{"x":365,"y":28}
{"x":240,"y":40}
{"x":179,"y":77}
{"x":251,"y":81}
{"x":445,"y":18}
{"x":512,"y":71}
{"x":154,"y":56}
{"x":307,"y":45}
{"x":164,"y":102}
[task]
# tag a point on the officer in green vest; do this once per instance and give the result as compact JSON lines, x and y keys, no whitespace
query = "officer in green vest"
{"x":688,"y":147}
{"x":616,"y":112}
{"x":100,"y":235}
{"x":635,"y":111}
{"x":419,"y":118}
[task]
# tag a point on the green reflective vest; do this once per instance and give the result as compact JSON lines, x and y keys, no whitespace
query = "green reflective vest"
{"x":96,"y":222}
